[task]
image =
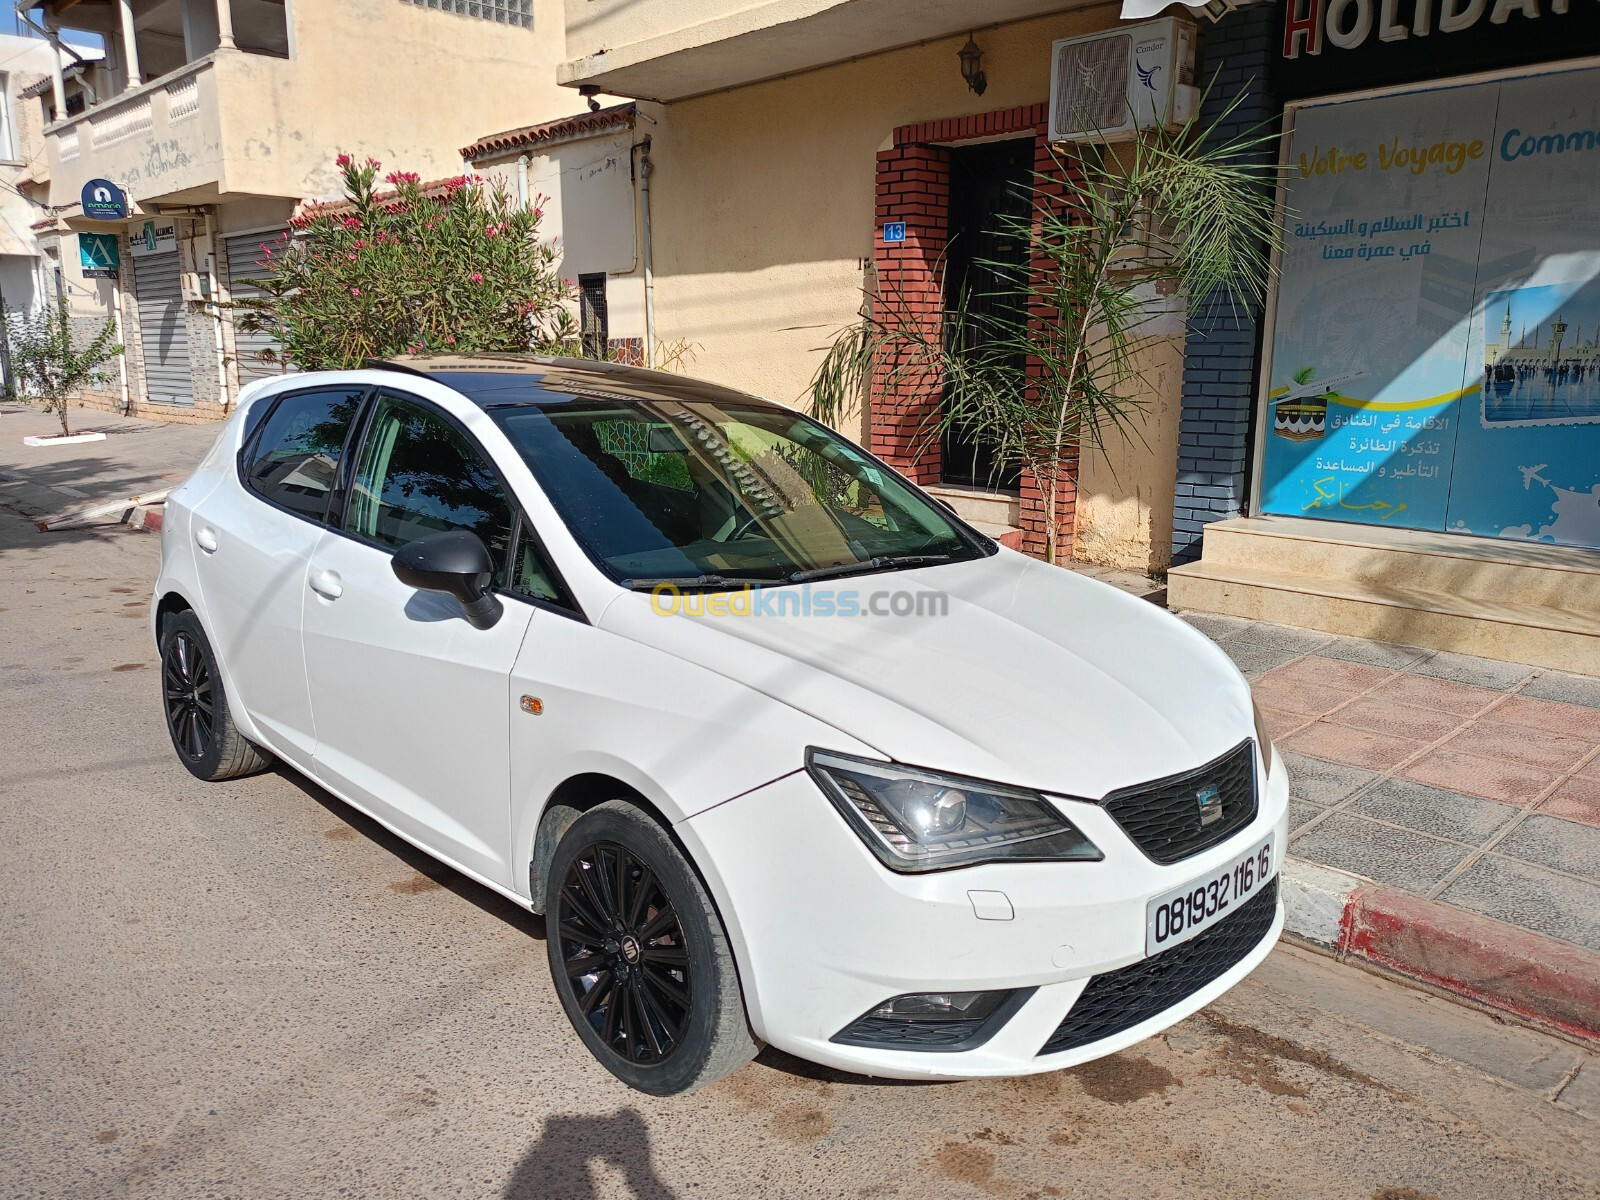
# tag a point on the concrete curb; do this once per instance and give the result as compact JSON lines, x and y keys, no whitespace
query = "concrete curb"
{"x":148,"y":519}
{"x":1527,"y":975}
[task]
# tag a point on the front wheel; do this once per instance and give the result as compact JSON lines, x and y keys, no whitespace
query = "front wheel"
{"x":639,"y":955}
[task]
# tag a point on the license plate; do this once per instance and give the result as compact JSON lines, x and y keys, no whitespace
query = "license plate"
{"x":1185,"y":912}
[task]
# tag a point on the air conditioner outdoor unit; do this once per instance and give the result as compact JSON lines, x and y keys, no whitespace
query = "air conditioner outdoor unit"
{"x":1109,"y":86}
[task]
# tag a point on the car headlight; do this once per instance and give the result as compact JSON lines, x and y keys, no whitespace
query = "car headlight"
{"x":1263,"y":737}
{"x":920,"y":821}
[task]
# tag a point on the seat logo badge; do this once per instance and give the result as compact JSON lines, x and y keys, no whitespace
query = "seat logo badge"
{"x":532,"y":705}
{"x":1209,"y":798}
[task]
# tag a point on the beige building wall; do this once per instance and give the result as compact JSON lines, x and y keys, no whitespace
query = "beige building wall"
{"x":763,"y":213}
{"x":590,"y":204}
{"x":404,"y":84}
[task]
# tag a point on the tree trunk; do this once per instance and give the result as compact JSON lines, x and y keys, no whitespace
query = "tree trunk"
{"x":61,"y":411}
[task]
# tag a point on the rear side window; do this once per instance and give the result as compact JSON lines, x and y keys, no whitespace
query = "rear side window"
{"x":296,"y":454}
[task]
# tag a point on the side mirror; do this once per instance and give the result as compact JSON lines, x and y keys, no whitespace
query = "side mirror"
{"x":456,"y":563}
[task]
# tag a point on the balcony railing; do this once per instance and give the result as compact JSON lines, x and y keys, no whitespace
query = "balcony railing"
{"x":152,"y":139}
{"x":183,"y":97}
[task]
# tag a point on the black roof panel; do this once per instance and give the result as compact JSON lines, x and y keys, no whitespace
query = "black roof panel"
{"x":495,"y":379}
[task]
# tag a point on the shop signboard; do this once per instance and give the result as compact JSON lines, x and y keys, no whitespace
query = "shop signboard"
{"x":99,"y":255}
{"x":1330,"y":46}
{"x":1435,"y":361}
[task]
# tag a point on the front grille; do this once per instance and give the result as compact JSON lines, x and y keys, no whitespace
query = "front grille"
{"x":1124,"y":998}
{"x":1163,"y":818}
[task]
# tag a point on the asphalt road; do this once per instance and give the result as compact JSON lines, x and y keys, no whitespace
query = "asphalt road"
{"x":247,"y":990}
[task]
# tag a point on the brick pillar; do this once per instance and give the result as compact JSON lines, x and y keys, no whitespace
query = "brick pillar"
{"x":913,"y":186}
{"x":1050,"y":187}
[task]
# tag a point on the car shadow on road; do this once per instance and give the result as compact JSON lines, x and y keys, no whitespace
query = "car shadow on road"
{"x":558,"y":1163}
{"x":421,"y":861}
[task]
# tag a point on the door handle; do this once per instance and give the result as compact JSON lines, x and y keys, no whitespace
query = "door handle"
{"x":206,"y":539}
{"x":326,"y":583}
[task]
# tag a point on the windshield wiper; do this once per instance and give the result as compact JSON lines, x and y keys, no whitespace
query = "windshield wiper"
{"x":882,"y":562}
{"x":692,"y":581}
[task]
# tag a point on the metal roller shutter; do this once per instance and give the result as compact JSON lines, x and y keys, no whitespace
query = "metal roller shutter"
{"x":243,"y":253}
{"x":163,"y":331}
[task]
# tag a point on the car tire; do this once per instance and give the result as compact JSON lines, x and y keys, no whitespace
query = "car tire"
{"x":660,"y":1004}
{"x":199,"y":721}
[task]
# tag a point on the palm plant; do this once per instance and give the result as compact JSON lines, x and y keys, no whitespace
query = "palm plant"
{"x":1120,"y":241}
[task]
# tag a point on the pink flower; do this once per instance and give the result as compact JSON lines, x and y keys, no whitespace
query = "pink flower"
{"x":538,"y":212}
{"x":351,"y":222}
{"x":343,"y":160}
{"x":374,"y":163}
{"x":355,"y":291}
{"x":491,"y":229}
{"x":399,"y":177}
{"x":477,"y":277}
{"x":450,"y":341}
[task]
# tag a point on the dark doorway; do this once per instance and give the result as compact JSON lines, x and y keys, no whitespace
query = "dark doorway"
{"x":991,"y":188}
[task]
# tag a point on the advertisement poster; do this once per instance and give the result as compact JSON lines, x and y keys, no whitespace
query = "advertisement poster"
{"x":1435,"y":242}
{"x":1528,"y":453}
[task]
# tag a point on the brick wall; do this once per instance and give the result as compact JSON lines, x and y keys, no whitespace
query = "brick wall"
{"x":1219,"y":377}
{"x":913,"y":186}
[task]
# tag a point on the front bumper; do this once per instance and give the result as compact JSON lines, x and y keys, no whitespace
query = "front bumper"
{"x":823,"y":932}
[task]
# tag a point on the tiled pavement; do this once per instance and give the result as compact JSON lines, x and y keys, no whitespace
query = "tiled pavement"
{"x":1466,"y":780}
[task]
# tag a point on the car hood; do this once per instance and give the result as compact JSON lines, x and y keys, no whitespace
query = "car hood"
{"x":1033,"y":675}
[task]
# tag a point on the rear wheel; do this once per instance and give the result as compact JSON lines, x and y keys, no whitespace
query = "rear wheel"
{"x":208,"y":743}
{"x":639,"y":955}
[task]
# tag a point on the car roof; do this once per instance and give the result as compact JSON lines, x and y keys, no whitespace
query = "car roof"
{"x":498,"y":380}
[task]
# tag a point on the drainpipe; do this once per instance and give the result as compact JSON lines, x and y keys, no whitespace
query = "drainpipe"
{"x":216,"y":244}
{"x":122,"y":359}
{"x":522,"y":181}
{"x":645,"y":168}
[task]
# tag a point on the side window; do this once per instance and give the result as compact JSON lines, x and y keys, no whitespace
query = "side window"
{"x":296,"y":454}
{"x":417,"y":475}
{"x":533,"y":576}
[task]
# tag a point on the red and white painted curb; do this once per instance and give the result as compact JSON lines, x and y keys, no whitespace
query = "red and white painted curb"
{"x":1528,"y":975}
{"x":146,"y":518}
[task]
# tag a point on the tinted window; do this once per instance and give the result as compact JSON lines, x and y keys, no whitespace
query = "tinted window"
{"x":663,"y":489}
{"x":418,"y":474}
{"x":296,"y":456}
{"x":533,"y":576}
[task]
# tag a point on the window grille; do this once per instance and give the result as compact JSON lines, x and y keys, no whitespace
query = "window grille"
{"x":506,"y":12}
{"x":592,"y":314}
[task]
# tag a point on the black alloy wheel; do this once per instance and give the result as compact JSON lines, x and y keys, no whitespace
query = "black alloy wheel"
{"x":186,"y":685}
{"x":195,"y":703}
{"x":639,"y":955}
{"x":623,"y":948}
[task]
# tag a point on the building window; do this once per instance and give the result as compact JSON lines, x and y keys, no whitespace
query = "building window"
{"x":8,"y":145}
{"x":507,"y":12}
{"x":592,"y":314}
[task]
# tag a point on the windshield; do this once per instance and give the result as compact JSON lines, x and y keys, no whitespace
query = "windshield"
{"x":713,"y":494}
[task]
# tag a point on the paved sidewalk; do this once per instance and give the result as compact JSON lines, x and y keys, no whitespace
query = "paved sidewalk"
{"x":1464,"y":781}
{"x":136,"y":457}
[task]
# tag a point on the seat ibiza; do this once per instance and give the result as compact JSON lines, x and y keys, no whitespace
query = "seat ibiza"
{"x":783,"y":750}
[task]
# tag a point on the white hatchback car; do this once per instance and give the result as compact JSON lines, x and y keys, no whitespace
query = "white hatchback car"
{"x":783,"y":750}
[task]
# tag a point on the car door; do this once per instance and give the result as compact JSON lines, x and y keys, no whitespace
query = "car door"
{"x":253,"y":537}
{"x":411,"y":702}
